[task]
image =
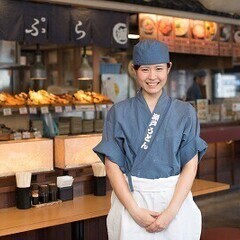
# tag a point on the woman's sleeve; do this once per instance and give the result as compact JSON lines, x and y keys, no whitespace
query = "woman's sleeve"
{"x":191,"y":143}
{"x":109,"y":147}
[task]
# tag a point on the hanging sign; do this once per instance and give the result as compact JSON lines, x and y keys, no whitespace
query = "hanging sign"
{"x":101,"y":28}
{"x":36,"y":17}
{"x":47,"y":23}
{"x":11,"y":20}
{"x":80,"y":27}
{"x":59,"y":27}
{"x":119,"y":26}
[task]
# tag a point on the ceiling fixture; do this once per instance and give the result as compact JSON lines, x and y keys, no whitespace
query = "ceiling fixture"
{"x":231,"y":6}
{"x":37,"y":69}
{"x":133,"y":36}
{"x":85,"y":71}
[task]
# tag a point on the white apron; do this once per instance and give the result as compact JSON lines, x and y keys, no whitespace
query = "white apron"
{"x":155,"y":195}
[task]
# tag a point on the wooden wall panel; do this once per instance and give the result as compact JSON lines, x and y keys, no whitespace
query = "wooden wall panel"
{"x":210,"y":153}
{"x":224,"y":149}
{"x":237,"y":171}
{"x":95,"y":229}
{"x":206,"y":167}
{"x":61,"y":232}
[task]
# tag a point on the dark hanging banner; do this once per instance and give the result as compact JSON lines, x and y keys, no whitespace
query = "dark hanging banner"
{"x":36,"y":21}
{"x":59,"y":25}
{"x":101,"y":28}
{"x":47,"y":23}
{"x":11,"y":20}
{"x":81,"y":27}
{"x":119,"y":22}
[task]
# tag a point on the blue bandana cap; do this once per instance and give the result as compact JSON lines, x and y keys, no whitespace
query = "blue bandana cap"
{"x":201,"y":73}
{"x":150,"y":52}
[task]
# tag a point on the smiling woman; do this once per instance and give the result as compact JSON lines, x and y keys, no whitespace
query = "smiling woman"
{"x":151,"y":158}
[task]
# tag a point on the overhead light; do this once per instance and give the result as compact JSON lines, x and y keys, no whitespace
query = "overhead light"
{"x":85,"y":71}
{"x":133,"y":36}
{"x":37,"y":69}
{"x":232,"y":6}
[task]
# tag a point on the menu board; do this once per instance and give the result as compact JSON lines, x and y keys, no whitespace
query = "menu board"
{"x":197,"y":37}
{"x":236,"y":40}
{"x":225,"y":39}
{"x":191,"y":36}
{"x":147,"y":26}
{"x":181,"y":35}
{"x":211,"y":38}
{"x":165,"y":31}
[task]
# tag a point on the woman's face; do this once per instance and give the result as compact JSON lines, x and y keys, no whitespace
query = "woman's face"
{"x":152,"y":78}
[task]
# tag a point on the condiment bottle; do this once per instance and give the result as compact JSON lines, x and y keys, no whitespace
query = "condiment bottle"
{"x":35,"y":194}
{"x":44,"y":193}
{"x":52,"y":192}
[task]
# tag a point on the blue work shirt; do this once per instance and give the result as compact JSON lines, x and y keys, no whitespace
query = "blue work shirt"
{"x":176,"y":142}
{"x":194,"y":92}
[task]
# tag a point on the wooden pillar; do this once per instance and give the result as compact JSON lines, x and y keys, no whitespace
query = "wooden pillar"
{"x":216,"y":163}
{"x":96,"y":69}
{"x":76,"y":64}
{"x":233,"y":162}
{"x":60,"y":66}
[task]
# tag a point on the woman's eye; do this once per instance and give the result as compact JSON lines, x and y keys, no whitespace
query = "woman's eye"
{"x":144,"y":69}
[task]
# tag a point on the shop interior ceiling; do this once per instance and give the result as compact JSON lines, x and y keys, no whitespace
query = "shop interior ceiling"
{"x":222,"y":8}
{"x":230,"y":8}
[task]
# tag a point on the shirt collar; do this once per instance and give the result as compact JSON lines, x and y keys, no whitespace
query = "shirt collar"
{"x":160,"y":103}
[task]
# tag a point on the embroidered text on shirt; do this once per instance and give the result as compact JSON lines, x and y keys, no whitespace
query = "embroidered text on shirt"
{"x":151,"y":126}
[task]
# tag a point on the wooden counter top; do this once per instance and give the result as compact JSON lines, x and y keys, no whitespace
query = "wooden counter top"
{"x":220,"y":133}
{"x":85,"y":207}
{"x":202,"y":187}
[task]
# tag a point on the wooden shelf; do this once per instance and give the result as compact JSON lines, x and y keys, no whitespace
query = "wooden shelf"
{"x":78,"y":209}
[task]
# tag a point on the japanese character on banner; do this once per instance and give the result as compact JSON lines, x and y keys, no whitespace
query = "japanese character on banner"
{"x":36,"y":29}
{"x":81,"y":34}
{"x":120,"y":33}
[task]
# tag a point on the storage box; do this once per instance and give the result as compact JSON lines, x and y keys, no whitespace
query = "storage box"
{"x":65,"y":193}
{"x":76,"y":151}
{"x":33,"y":155}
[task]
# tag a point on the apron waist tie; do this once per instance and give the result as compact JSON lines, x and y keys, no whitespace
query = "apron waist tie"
{"x":129,"y":176}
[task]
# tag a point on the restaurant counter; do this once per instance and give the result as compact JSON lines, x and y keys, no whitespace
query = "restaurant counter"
{"x":83,"y":217}
{"x":221,"y":161}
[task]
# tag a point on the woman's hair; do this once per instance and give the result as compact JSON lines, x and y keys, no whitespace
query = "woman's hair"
{"x":136,"y":67}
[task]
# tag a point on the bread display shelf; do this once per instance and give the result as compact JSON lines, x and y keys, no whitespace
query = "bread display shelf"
{"x":34,"y":155}
{"x":42,"y":97}
{"x":51,"y":106}
{"x":75,"y":151}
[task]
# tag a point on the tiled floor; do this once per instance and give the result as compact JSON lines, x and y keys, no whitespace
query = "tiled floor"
{"x":221,"y":209}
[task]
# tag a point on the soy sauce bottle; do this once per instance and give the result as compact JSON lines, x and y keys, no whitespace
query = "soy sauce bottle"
{"x":44,"y":193}
{"x":52,"y":192}
{"x":35,"y":194}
